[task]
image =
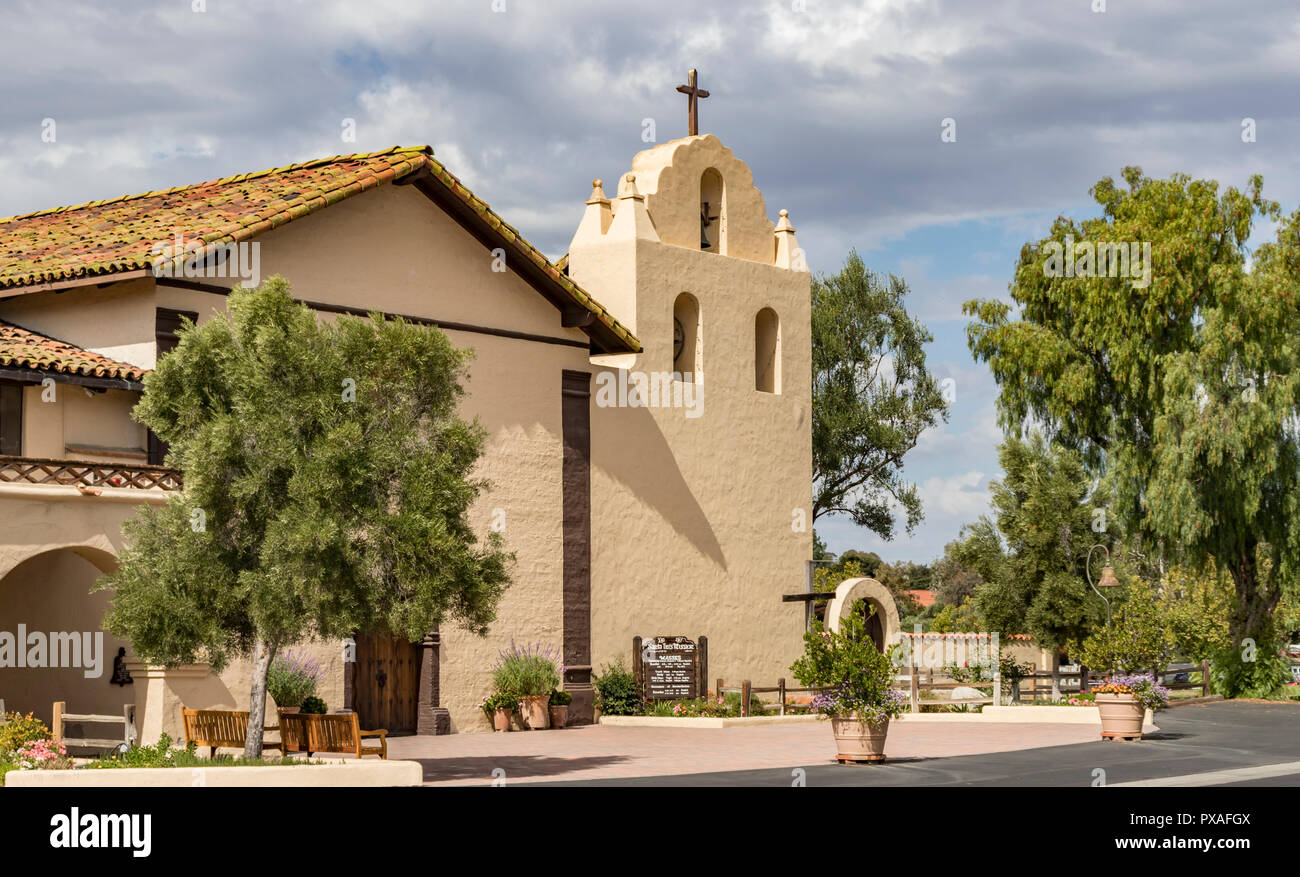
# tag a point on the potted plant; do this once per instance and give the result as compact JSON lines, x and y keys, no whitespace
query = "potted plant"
{"x":530,"y":674}
{"x":498,"y":707}
{"x":857,"y":682}
{"x":1137,"y":637}
{"x":559,"y":708}
{"x":292,"y":679}
{"x":1122,"y":704}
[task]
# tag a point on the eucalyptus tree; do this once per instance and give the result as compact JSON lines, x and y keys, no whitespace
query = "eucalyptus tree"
{"x":1180,"y":381}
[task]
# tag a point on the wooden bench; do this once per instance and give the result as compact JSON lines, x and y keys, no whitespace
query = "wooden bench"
{"x":304,"y":732}
{"x":62,"y":717}
{"x":216,"y":728}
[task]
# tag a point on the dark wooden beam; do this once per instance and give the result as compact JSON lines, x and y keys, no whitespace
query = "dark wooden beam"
{"x":325,"y":307}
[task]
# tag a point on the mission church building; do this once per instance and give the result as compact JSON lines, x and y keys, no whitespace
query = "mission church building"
{"x":646,"y":397}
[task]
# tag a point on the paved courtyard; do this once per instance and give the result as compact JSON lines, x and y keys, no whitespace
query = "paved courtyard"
{"x":610,"y":753}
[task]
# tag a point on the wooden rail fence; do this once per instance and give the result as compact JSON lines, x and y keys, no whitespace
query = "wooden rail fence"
{"x":126,"y":720}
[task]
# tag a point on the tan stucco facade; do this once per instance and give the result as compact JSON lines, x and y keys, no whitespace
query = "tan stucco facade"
{"x":700,"y":519}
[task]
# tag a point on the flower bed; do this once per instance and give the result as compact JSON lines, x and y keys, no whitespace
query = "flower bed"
{"x":45,"y":755}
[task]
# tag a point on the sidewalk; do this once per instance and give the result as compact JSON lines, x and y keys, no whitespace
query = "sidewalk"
{"x":596,"y":752}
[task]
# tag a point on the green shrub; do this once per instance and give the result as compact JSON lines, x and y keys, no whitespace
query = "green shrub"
{"x":533,"y":671}
{"x":20,"y":729}
{"x":162,"y":754}
{"x":498,"y":701}
{"x":313,"y":706}
{"x":559,"y":697}
{"x":616,"y":692}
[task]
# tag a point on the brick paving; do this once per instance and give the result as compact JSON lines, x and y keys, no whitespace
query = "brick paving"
{"x":596,"y":752}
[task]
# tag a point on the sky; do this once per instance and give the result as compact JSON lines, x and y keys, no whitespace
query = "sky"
{"x":838,"y":108}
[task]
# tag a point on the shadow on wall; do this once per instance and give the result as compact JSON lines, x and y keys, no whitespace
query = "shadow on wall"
{"x":642,"y":460}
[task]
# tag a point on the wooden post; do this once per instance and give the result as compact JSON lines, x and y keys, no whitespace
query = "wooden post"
{"x":638,"y":677}
{"x":1083,"y":678}
{"x":59,"y":708}
{"x":1205,"y":679}
{"x":744,"y":698}
{"x":702,"y":667}
{"x":780,"y":689}
{"x":718,"y":691}
{"x":997,"y":673}
{"x":911,"y":677}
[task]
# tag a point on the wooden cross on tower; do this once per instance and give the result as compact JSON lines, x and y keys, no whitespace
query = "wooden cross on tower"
{"x":693,"y":94}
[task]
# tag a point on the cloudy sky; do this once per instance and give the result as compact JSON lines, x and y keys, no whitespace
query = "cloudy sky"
{"x":837,"y":107}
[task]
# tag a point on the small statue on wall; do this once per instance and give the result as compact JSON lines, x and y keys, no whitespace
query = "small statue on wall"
{"x":121,"y":676}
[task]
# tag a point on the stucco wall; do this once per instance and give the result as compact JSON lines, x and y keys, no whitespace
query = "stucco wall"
{"x":116,"y":320}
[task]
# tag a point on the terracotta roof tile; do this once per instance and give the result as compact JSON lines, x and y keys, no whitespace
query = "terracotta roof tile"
{"x":119,"y":234}
{"x":23,"y":348}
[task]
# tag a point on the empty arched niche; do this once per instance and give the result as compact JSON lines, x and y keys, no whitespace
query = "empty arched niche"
{"x":767,"y":351}
{"x":688,"y":340}
{"x":713,"y":213}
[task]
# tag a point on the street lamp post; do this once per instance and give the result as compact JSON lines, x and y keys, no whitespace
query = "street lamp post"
{"x":1108,"y":580}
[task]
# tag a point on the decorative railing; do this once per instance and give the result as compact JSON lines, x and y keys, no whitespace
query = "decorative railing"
{"x":33,"y":470}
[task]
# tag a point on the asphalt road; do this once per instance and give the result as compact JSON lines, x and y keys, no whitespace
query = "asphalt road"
{"x":1192,"y":740}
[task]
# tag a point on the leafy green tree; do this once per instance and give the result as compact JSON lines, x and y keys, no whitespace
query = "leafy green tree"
{"x":1031,"y":555}
{"x":873,"y":396}
{"x":953,"y":581}
{"x":327,"y":479}
{"x":1183,"y":384}
{"x":957,"y":618}
{"x":1138,"y":638}
{"x":868,"y":561}
{"x":1196,"y":607}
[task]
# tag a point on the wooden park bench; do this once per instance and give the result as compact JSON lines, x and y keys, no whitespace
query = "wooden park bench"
{"x":304,"y":732}
{"x":217,"y":728}
{"x":62,"y":717}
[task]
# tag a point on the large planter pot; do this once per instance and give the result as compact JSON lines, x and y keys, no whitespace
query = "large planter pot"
{"x":559,"y":716}
{"x":501,"y":720}
{"x":533,"y":708}
{"x":1121,"y":716}
{"x":859,"y":741}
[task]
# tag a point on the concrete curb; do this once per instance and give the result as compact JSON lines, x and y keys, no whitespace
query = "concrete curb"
{"x":699,"y":722}
{"x":335,"y":774}
{"x":1035,"y":715}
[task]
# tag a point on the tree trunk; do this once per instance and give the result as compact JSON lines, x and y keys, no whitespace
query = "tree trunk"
{"x":1251,"y":618}
{"x":263,"y":653}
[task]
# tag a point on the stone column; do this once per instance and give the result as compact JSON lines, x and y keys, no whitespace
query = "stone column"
{"x":160,"y":692}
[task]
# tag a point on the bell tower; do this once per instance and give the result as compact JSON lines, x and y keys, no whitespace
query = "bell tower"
{"x":701,"y":444}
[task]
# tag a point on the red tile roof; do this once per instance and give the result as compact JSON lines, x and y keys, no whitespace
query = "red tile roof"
{"x":120,"y":234}
{"x":23,"y":348}
{"x":922,"y":598}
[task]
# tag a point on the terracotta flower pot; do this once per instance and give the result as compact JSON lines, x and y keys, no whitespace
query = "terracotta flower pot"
{"x":559,"y":716}
{"x":501,"y":720}
{"x":856,"y":740}
{"x":1121,"y":716}
{"x":533,"y":708}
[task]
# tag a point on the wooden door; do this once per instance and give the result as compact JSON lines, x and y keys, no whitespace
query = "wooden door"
{"x":386,"y":683}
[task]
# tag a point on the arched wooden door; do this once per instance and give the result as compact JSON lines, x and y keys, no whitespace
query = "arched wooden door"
{"x":386,"y":683}
{"x":875,"y":628}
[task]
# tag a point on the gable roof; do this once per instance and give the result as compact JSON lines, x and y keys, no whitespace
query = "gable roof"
{"x":31,"y":351}
{"x":118,"y":236}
